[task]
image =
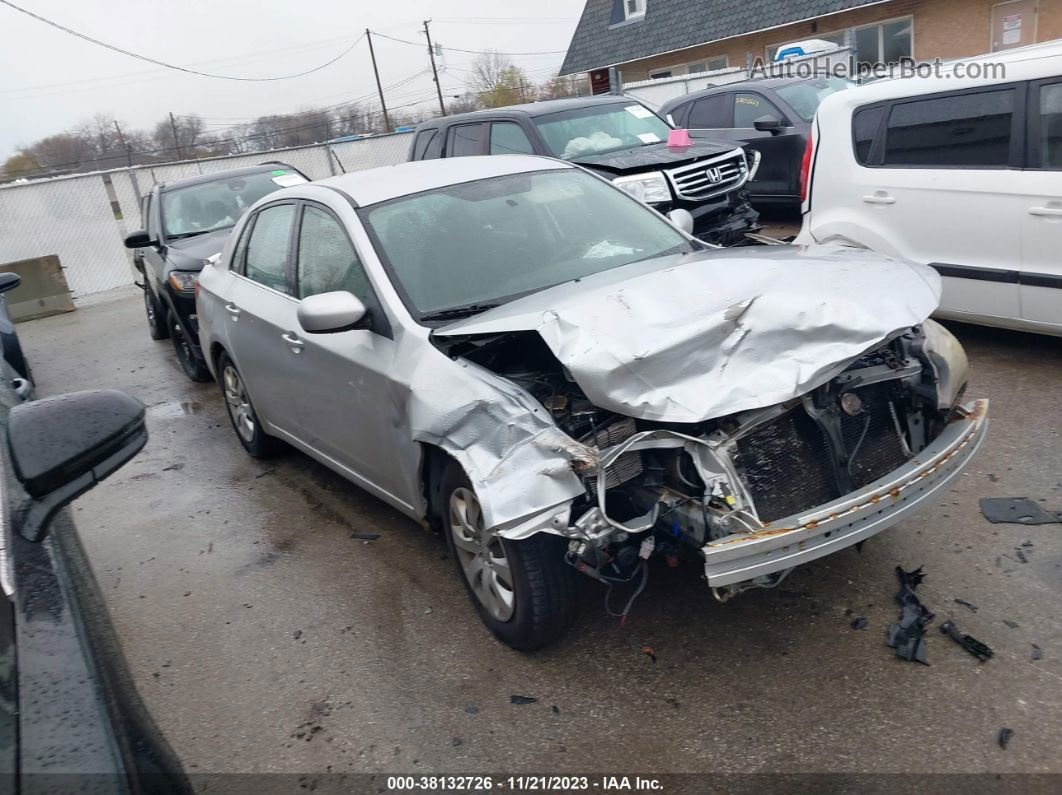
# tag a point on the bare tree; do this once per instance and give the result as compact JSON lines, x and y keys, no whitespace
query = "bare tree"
{"x":498,"y":82}
{"x":188,"y":130}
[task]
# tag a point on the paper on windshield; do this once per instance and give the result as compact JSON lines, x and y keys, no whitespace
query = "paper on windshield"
{"x":287,"y":180}
{"x":638,"y":112}
{"x":649,"y":138}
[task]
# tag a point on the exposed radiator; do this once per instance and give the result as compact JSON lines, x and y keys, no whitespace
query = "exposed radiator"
{"x":628,"y":466}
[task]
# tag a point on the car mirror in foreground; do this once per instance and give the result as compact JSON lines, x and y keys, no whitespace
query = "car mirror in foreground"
{"x":767,"y":124}
{"x":138,"y":239}
{"x":682,"y":219}
{"x":327,"y":313}
{"x":9,"y":281}
{"x":64,"y":445}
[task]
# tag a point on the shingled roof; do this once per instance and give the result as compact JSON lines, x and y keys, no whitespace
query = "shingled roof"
{"x":603,"y":38}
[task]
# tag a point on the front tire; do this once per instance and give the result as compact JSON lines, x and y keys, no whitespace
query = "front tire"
{"x":156,"y":317}
{"x":192,"y":365}
{"x":524,"y":591}
{"x":241,"y":412}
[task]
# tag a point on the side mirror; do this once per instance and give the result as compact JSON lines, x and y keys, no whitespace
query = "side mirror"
{"x":768,"y":124}
{"x":138,"y":239}
{"x":682,"y":219}
{"x":327,"y":313}
{"x":9,"y":281}
{"x":64,"y":445}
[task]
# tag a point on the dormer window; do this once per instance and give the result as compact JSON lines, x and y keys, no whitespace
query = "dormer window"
{"x":632,"y":9}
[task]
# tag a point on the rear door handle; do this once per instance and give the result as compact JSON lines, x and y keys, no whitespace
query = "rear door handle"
{"x":233,"y":310}
{"x":1055,"y":212}
{"x":295,"y":343}
{"x":879,"y":198}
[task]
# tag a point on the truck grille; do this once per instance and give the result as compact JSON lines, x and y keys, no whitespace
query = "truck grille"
{"x":712,"y":177}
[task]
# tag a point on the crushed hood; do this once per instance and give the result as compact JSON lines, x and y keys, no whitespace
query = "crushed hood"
{"x":692,"y":337}
{"x":189,"y":254}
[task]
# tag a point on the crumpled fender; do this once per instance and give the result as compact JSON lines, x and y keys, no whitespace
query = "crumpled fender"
{"x":518,"y":460}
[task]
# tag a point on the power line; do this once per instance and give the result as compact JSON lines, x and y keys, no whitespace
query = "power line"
{"x":457,"y":49}
{"x":148,"y":59}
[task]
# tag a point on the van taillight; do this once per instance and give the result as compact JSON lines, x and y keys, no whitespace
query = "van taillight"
{"x":805,"y":167}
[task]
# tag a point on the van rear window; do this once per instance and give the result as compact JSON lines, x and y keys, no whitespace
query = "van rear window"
{"x":865,"y":125}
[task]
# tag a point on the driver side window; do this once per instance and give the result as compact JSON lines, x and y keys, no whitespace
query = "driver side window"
{"x":267,"y":248}
{"x":327,"y":260}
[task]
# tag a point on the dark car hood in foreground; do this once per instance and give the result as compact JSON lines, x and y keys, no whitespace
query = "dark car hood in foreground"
{"x":654,"y":155}
{"x":688,"y":338}
{"x":188,"y":254}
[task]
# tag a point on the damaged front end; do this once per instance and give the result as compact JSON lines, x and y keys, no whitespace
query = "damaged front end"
{"x":753,"y":493}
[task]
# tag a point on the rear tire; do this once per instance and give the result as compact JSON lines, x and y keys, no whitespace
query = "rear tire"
{"x":523,"y":591}
{"x":194,"y":367}
{"x":241,"y":412}
{"x":156,"y":317}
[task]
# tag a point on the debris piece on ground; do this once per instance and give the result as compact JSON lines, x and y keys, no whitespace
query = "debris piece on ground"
{"x":972,"y":645}
{"x":860,"y":622}
{"x":970,"y":605}
{"x":364,"y":536}
{"x":427,"y":611}
{"x":1021,"y":555}
{"x":522,"y":700}
{"x":556,"y":709}
{"x":1004,"y":737}
{"x":1011,"y":624}
{"x":1017,"y":510}
{"x":1037,"y":652}
{"x":906,"y":636}
{"x":650,"y":652}
{"x":471,"y":710}
{"x":456,"y":741}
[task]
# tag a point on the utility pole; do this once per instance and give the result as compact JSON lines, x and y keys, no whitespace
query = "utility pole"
{"x":379,"y":88}
{"x":176,"y":143}
{"x":434,"y":71}
{"x":128,"y":149}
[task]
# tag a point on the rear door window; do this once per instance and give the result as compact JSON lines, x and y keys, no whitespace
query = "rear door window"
{"x":1048,"y":126}
{"x":420,"y":145}
{"x":509,"y":138}
{"x":267,"y":248}
{"x":710,"y":113}
{"x":466,"y":139}
{"x":971,"y":130}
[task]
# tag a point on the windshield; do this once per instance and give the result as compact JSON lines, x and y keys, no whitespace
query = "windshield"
{"x":804,"y":98}
{"x":481,"y":243}
{"x":600,"y":128}
{"x":218,"y":205}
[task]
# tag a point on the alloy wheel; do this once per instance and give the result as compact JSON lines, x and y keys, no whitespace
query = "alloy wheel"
{"x":481,"y":555}
{"x":238,"y":404}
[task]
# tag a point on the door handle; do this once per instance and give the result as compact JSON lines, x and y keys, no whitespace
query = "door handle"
{"x":879,"y":198}
{"x":295,"y":343}
{"x":23,"y":388}
{"x":1055,"y":212}
{"x":233,"y":310}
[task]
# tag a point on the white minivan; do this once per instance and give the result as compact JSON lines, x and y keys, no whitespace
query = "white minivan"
{"x":957,"y":172}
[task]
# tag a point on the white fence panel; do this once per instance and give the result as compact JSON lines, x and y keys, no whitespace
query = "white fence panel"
{"x":655,"y":93}
{"x":72,"y":218}
{"x":380,"y":150}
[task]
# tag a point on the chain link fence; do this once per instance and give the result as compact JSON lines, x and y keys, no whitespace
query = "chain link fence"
{"x":82,"y":219}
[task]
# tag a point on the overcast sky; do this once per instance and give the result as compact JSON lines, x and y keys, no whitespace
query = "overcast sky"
{"x":50,"y":81}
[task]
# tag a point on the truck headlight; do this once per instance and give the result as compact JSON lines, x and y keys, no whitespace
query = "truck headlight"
{"x":184,"y":281}
{"x":948,"y":360}
{"x":650,"y":188}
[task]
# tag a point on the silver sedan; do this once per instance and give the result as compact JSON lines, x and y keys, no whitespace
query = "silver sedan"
{"x":518,"y":354}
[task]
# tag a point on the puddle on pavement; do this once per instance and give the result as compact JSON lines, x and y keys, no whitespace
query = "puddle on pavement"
{"x":174,"y":409}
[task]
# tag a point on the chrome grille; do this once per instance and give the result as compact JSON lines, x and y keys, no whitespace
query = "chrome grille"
{"x":712,"y":177}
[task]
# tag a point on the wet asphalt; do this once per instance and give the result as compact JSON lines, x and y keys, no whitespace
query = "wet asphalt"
{"x":262,"y":637}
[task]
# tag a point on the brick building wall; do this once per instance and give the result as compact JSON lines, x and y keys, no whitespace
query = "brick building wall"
{"x":942,"y":29}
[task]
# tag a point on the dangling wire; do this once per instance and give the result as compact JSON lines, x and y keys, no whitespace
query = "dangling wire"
{"x":630,"y":602}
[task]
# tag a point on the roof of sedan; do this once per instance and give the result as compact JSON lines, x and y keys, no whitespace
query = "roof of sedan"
{"x":375,"y":185}
{"x":228,"y":173}
{"x":532,"y":109}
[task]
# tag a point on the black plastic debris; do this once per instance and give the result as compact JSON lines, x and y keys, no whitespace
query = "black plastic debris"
{"x":860,"y":622}
{"x":1004,"y":737}
{"x":522,"y":700}
{"x":1037,"y":653}
{"x":1017,"y":510}
{"x":364,"y":536}
{"x":1011,"y":624}
{"x":971,"y":644}
{"x":970,"y":605}
{"x":907,"y":635}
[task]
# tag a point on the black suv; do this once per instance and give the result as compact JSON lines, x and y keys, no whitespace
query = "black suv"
{"x":186,"y":222}
{"x":621,"y":140}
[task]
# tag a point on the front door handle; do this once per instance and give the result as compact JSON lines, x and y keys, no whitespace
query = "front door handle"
{"x":233,"y":310}
{"x":295,"y":343}
{"x":1054,"y":212}
{"x":880,"y":197}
